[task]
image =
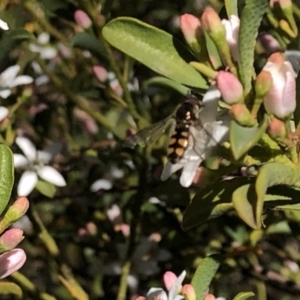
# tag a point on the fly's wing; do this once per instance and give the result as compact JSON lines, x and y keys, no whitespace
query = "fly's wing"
{"x":149,"y":134}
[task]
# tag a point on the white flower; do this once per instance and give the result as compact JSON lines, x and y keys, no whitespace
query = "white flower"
{"x":3,"y":113}
{"x":9,"y":79}
{"x":3,"y":25}
{"x":232,"y":27}
{"x":46,"y":52}
{"x":206,"y":139}
{"x":159,"y":293}
{"x":34,"y":165}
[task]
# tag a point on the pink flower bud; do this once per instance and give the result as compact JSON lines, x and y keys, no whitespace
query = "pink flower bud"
{"x":285,"y":4}
{"x":229,"y":86}
{"x":11,"y":261}
{"x":17,"y":210}
{"x":211,"y":21}
{"x":11,"y":238}
{"x":169,"y":279}
{"x":232,"y":27}
{"x":281,"y":98}
{"x":189,"y":292}
{"x":276,"y":129}
{"x":191,"y":29}
{"x":263,"y":84}
{"x":100,"y":73}
{"x":82,"y":19}
{"x":241,"y":114}
{"x":209,"y":297}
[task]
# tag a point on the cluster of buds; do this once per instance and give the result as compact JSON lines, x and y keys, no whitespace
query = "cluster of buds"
{"x":273,"y":88}
{"x":12,"y":259}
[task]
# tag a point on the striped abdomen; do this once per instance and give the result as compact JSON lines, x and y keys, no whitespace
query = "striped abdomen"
{"x":178,"y":143}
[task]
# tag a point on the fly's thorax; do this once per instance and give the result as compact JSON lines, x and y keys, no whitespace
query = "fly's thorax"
{"x":189,"y":110}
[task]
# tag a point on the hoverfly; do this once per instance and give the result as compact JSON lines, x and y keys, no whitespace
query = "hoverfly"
{"x":185,"y":126}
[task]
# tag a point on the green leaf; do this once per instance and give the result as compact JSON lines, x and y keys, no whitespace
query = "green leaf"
{"x":231,"y":7}
{"x":211,"y":202}
{"x":213,"y":51}
{"x":11,"y":39}
{"x":251,"y":18}
{"x":249,"y":199}
{"x":242,"y":139}
{"x":168,"y":83}
{"x":6,"y":176}
{"x":86,"y":41}
{"x":10,"y":288}
{"x":204,"y":274}
{"x":269,"y":175}
{"x":243,"y":295}
{"x":155,"y":48}
{"x":244,"y":199}
{"x":46,"y":188}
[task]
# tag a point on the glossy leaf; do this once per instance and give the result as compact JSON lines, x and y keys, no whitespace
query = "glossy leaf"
{"x":86,"y":41}
{"x":269,"y":175}
{"x":10,"y":288}
{"x":250,"y":21}
{"x":249,"y":199}
{"x":204,"y":275}
{"x":155,"y":48}
{"x":211,"y":202}
{"x":6,"y":175}
{"x":242,"y":139}
{"x":168,"y":83}
{"x":243,"y":295}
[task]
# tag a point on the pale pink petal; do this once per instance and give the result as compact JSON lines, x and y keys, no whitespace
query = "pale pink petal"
{"x":20,"y":80}
{"x":4,"y":93}
{"x":114,"y":214}
{"x":51,"y":175}
{"x":27,"y":147}
{"x":27,"y":183}
{"x":11,"y":261}
{"x":3,"y":113}
{"x":169,"y":279}
{"x":8,"y":75}
{"x":20,"y":161}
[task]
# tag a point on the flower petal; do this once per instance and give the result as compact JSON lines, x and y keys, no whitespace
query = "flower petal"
{"x":11,"y":261}
{"x":27,"y":147}
{"x":101,"y":184}
{"x":3,"y":25}
{"x":156,"y":293}
{"x":8,"y":75}
{"x":210,"y":104}
{"x":20,"y":161}
{"x":4,"y":93}
{"x":3,"y":113}
{"x":49,"y":152}
{"x":27,"y":183}
{"x":20,"y":80}
{"x":51,"y":175}
{"x":293,"y":56}
{"x":43,"y":38}
{"x":176,"y":286}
